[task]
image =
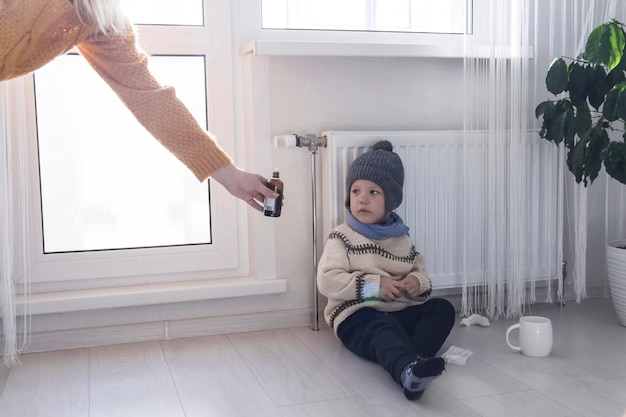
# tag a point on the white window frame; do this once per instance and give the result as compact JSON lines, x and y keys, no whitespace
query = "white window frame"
{"x":241,"y":258}
{"x":258,"y":41}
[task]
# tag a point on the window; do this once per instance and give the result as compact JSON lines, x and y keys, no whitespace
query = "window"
{"x":88,"y":153}
{"x":151,"y":12}
{"x":110,"y":193}
{"x":408,"y":28}
{"x":117,"y":220}
{"x":427,"y":16}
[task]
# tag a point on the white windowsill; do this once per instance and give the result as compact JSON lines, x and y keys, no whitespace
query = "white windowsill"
{"x":364,"y":49}
{"x":140,"y":295}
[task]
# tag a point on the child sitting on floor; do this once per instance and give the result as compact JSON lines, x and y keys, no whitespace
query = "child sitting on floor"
{"x":375,"y":281}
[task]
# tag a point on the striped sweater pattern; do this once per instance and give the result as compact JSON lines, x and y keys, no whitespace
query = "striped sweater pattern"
{"x":351,"y":266}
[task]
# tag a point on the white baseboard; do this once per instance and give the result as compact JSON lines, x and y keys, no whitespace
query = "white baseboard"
{"x":163,"y":330}
{"x":85,"y":334}
{"x":149,"y":294}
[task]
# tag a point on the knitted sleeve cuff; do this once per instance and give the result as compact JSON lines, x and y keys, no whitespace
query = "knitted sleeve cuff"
{"x":425,"y":284}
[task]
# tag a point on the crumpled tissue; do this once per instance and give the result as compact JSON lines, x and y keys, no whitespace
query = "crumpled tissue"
{"x":456,"y":355}
{"x":476,"y":319}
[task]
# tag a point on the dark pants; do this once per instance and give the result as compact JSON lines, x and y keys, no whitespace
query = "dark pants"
{"x":396,"y":339}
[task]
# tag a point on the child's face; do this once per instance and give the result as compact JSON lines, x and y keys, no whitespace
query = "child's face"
{"x":367,"y":202}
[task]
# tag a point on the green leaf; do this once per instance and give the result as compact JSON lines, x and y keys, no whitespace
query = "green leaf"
{"x":596,"y":77}
{"x":544,"y":108}
{"x":622,"y":63}
{"x":558,"y":120}
{"x":583,"y":118}
{"x":547,"y":110}
{"x":578,"y":82}
{"x":608,"y":111}
{"x":598,"y":140}
{"x":605,"y":45}
{"x":592,"y":48}
{"x":575,"y":158}
{"x":556,"y":79}
{"x":617,"y":41}
{"x":570,"y":129}
{"x":558,"y":128}
{"x":614,"y":152}
{"x":614,"y":156}
{"x":584,"y":160}
{"x":613,"y":78}
{"x":620,"y":104}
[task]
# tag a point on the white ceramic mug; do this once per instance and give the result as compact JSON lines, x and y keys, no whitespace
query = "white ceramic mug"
{"x":535,"y":336}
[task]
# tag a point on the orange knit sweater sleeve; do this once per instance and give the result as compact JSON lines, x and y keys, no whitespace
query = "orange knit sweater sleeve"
{"x":123,"y":66}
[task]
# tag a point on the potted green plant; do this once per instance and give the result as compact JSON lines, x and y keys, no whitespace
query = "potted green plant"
{"x":589,"y":117}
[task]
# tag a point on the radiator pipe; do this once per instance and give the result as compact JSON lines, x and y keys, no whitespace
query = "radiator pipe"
{"x":316,"y":320}
{"x":312,"y":143}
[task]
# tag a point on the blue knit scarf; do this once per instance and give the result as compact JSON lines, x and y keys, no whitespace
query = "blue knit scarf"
{"x":393,"y":226}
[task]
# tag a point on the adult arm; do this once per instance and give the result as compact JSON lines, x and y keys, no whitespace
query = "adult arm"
{"x":123,"y":66}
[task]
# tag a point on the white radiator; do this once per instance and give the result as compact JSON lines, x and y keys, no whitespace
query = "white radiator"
{"x":438,"y":193}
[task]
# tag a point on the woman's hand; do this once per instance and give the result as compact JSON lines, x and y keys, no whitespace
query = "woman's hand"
{"x":248,"y":187}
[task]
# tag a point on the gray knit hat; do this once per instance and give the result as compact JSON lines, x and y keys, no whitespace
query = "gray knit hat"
{"x":382,"y":166}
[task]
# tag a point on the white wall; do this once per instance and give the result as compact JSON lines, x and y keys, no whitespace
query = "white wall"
{"x":312,"y":94}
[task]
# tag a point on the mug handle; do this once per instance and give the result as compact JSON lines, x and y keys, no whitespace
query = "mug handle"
{"x":508,"y":331}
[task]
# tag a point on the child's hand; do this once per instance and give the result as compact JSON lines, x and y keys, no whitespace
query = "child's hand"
{"x":411,"y":286}
{"x":391,"y":288}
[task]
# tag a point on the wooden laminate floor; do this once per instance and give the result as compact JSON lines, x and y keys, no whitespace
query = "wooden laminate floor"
{"x":299,"y":372}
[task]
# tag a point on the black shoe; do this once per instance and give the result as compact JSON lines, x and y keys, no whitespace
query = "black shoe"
{"x":417,"y":375}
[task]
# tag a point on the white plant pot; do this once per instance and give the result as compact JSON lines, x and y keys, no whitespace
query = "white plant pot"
{"x":616,"y":265}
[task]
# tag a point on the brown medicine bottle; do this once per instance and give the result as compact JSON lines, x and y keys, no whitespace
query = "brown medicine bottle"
{"x":273,"y":206}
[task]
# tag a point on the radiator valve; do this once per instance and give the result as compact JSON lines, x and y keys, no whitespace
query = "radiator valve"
{"x":310,"y":141}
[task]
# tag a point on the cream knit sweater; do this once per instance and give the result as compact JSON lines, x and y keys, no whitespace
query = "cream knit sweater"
{"x":33,"y":32}
{"x":350,"y":268}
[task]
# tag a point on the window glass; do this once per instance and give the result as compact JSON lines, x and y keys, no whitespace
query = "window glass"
{"x":441,"y":16}
{"x":106,"y":183}
{"x":164,"y":12}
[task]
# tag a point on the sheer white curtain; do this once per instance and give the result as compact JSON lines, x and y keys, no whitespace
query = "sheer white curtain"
{"x":14,"y":224}
{"x":505,"y":66}
{"x":497,"y":102}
